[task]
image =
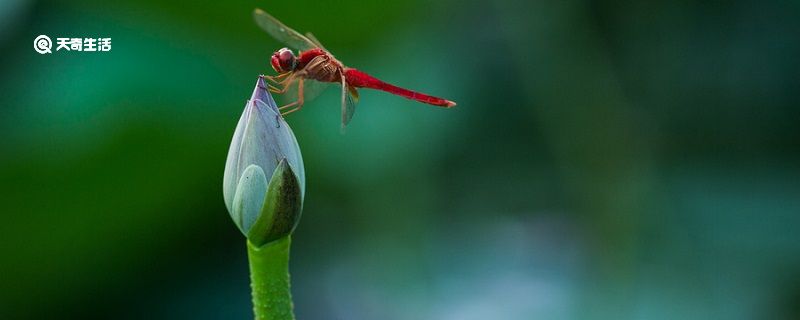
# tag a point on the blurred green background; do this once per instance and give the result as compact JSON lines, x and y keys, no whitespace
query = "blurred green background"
{"x":607,"y":160}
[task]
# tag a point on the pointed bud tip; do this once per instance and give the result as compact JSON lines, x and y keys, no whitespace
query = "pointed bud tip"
{"x":261,"y":92}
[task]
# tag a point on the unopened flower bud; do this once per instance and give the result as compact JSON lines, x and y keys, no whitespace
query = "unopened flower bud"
{"x":264,"y":180}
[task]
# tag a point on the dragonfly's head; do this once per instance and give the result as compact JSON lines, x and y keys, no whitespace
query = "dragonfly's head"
{"x":283,"y":60}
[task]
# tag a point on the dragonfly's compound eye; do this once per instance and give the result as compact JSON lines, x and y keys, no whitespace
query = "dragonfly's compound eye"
{"x":283,"y":60}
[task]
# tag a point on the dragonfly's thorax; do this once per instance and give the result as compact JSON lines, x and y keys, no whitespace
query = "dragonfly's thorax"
{"x":306,"y":56}
{"x":319,"y":65}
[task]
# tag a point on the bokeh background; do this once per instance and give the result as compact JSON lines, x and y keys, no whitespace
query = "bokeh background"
{"x":607,"y":160}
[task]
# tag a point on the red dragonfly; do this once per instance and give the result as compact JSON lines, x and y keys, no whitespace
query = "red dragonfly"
{"x":313,"y":62}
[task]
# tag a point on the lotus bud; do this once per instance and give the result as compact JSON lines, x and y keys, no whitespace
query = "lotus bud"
{"x":264,"y":180}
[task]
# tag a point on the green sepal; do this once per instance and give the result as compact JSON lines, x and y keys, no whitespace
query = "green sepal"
{"x":283,"y":205}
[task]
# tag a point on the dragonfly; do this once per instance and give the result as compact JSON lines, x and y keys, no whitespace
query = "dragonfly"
{"x":314,"y":67}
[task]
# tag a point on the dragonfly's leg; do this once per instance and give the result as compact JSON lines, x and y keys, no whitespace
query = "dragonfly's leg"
{"x":293,"y":110}
{"x":293,"y":104}
{"x":273,"y":86}
{"x":275,"y":89}
{"x":297,"y":104}
{"x":272,"y":80}
{"x":286,"y":84}
{"x":277,"y":79}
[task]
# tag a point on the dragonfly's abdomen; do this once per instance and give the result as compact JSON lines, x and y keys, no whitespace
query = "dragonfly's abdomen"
{"x":360,"y":79}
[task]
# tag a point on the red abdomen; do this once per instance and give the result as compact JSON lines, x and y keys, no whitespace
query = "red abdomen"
{"x":360,"y":79}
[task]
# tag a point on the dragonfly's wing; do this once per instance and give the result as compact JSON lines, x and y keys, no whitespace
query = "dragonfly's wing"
{"x":281,"y":32}
{"x":311,"y":89}
{"x":351,"y":108}
{"x":348,"y":103}
{"x":353,"y":93}
{"x":314,"y":39}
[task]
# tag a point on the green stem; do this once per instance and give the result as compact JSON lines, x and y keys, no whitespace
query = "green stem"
{"x":269,"y":279}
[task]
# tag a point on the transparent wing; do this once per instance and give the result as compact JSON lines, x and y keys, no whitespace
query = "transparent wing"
{"x":281,"y":32}
{"x":311,"y":90}
{"x":351,"y":108}
{"x":353,"y":93}
{"x":314,"y":39}
{"x":348,"y":103}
